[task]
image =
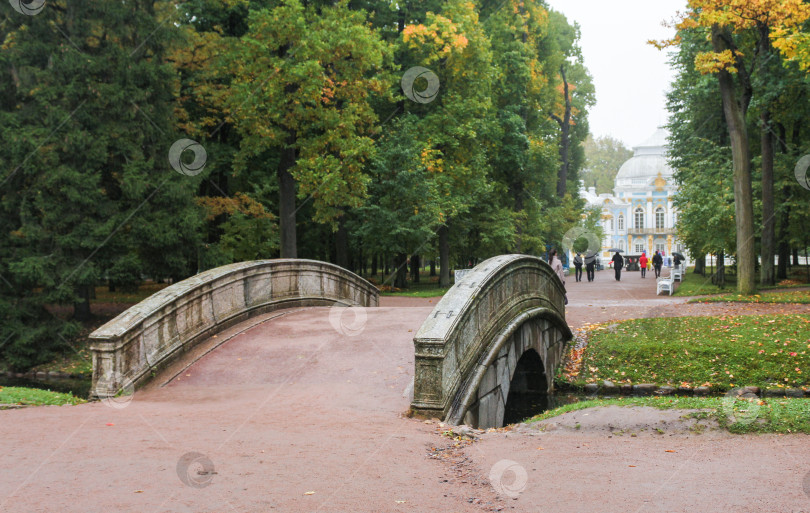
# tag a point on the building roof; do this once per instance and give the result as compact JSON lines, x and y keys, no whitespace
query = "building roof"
{"x":647,"y":162}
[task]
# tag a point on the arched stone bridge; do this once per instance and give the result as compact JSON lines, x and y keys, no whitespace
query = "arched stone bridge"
{"x":498,"y":333}
{"x":172,"y":321}
{"x":494,"y":339}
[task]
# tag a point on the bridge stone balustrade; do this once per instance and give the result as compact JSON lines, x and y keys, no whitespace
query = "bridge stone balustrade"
{"x":170,"y":322}
{"x":468,"y":349}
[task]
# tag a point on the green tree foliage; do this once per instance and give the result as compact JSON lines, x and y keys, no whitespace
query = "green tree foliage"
{"x":700,"y":152}
{"x":312,"y":148}
{"x":88,"y":193}
{"x":603,"y":158}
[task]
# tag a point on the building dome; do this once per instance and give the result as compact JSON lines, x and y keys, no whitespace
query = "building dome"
{"x":647,"y":162}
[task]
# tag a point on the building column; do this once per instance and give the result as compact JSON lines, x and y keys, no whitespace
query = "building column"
{"x":650,"y":248}
{"x":670,"y":217}
{"x":669,"y":245}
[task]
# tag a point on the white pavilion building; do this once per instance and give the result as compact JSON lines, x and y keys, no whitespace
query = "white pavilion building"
{"x":639,"y":215}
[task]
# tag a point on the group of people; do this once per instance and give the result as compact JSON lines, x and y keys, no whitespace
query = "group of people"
{"x":657,"y":261}
{"x":590,"y":266}
{"x":644,"y":263}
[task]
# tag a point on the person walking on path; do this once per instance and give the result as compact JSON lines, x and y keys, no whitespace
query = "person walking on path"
{"x":618,"y":263}
{"x":657,"y":263}
{"x":578,"y":267}
{"x":557,"y":266}
{"x":590,"y":264}
{"x":642,"y":262}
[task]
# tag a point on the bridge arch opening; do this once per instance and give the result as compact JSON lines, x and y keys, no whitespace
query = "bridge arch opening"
{"x":528,"y":389}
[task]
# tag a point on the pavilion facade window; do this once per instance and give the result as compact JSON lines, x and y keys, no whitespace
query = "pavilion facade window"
{"x":639,"y":218}
{"x":659,"y":217}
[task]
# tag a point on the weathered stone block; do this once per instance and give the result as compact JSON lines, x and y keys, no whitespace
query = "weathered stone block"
{"x":645,"y":389}
{"x":665,"y":390}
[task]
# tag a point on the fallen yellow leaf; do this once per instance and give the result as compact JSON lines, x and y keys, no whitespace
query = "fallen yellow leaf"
{"x":309,"y":493}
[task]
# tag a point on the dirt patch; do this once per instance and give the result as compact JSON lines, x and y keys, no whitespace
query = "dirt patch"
{"x":630,"y":421}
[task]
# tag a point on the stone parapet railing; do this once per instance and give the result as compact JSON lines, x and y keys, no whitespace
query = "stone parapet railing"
{"x":477,"y":314}
{"x":170,"y":322}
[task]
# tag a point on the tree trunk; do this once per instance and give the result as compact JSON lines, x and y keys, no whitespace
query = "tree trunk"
{"x":286,"y":201}
{"x":700,"y":265}
{"x":719,"y":278}
{"x":444,"y":256}
{"x":796,"y":256}
{"x":374,"y":258}
{"x":81,"y":309}
{"x":565,"y":129}
{"x":784,"y":248}
{"x":741,"y":163}
{"x":401,"y":263}
{"x":433,"y":267}
{"x":768,"y":241}
{"x":783,"y":255}
{"x":768,"y":216}
{"x":342,"y":244}
{"x":416,"y":264}
{"x":806,"y":262}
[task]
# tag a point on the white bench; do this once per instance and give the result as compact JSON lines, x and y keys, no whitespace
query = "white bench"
{"x":677,"y":273}
{"x":665,"y":285}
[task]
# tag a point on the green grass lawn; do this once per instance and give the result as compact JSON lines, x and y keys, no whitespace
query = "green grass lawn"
{"x":35,"y":397}
{"x":721,"y":352}
{"x":103,"y":294}
{"x":770,"y":415}
{"x":696,"y":285}
{"x":793,"y":296}
{"x":420,"y":292}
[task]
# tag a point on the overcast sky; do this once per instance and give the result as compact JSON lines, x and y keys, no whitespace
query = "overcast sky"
{"x":630,"y":76}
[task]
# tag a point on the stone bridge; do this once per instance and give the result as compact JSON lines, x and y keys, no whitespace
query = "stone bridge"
{"x":130,"y":348}
{"x":492,"y":341}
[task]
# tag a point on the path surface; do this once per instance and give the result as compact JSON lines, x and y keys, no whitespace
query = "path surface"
{"x":294,"y":415}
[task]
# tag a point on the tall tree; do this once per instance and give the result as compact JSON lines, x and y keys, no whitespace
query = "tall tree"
{"x":604,"y":157}
{"x":737,"y":28}
{"x":454,"y":46}
{"x":303,"y":79}
{"x":90,"y":192}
